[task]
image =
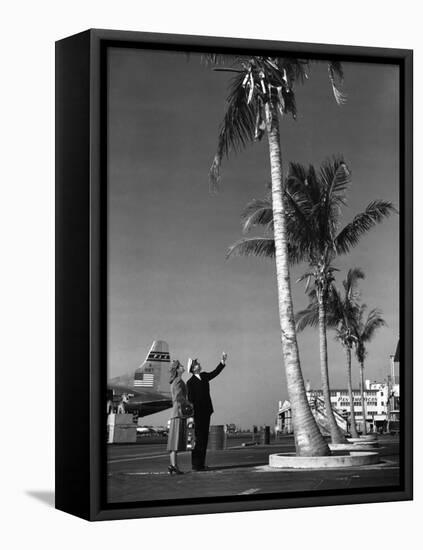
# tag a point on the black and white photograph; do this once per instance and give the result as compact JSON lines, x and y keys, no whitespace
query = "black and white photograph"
{"x":253,"y":275}
{"x":210,"y":242}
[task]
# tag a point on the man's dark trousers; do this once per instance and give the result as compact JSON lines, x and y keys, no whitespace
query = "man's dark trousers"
{"x":199,"y":395}
{"x":201,"y":429}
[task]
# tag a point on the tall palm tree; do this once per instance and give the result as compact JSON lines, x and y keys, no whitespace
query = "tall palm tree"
{"x":261,"y":90}
{"x":313,"y":205}
{"x":364,"y":332}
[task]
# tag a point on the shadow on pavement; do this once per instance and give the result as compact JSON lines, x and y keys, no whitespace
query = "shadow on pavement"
{"x":235,"y":466}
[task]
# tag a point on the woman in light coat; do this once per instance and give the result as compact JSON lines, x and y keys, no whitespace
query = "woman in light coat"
{"x":177,"y":439}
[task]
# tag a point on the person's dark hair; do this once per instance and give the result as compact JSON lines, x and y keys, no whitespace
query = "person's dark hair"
{"x":173,"y":371}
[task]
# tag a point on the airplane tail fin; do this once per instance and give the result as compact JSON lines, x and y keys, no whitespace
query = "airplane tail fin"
{"x":153,"y":373}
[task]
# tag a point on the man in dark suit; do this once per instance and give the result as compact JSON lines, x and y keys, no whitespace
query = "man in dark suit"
{"x":199,"y":394}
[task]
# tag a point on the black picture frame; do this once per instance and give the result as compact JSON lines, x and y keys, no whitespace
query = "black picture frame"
{"x":81,"y":279}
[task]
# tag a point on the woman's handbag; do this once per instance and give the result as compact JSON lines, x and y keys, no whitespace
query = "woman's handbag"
{"x":187,"y":409}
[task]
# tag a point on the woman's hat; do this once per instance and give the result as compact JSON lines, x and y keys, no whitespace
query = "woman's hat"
{"x":174,"y":366}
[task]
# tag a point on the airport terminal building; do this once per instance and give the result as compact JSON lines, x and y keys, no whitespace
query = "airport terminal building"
{"x":381,"y":405}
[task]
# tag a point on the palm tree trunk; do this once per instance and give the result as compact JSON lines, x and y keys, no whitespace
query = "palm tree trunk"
{"x":335,"y":431}
{"x":308,"y":439}
{"x":363,"y":400}
{"x":350,"y":393}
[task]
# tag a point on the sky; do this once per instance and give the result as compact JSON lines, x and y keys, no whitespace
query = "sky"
{"x":168,"y":235}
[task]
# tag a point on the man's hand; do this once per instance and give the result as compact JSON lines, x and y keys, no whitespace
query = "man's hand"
{"x":224,"y":357}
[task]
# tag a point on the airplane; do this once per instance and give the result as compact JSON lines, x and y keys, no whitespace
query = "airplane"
{"x":147,"y":390}
{"x":151,"y":430}
{"x":144,"y":430}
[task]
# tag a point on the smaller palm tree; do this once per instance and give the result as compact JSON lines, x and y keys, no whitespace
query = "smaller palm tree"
{"x":365,"y":329}
{"x":341,"y":316}
{"x":344,"y":310}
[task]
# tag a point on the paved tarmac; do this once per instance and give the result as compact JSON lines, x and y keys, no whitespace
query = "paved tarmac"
{"x":138,"y":472}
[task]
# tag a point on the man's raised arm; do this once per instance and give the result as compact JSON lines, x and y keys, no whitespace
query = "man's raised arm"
{"x":219,"y":368}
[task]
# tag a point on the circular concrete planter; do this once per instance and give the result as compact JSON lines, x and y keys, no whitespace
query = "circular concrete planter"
{"x":359,"y":446}
{"x":362,"y":438}
{"x":344,"y":460}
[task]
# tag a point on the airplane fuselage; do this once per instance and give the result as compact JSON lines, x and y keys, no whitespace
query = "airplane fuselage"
{"x":142,"y":409}
{"x":142,"y":403}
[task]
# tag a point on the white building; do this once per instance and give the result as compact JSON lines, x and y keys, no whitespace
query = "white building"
{"x":376,"y":396}
{"x":381,"y":404}
{"x":283,"y":423}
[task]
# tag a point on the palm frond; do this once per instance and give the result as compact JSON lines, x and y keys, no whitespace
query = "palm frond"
{"x":365,"y":329}
{"x":336,"y":78}
{"x":257,"y":212}
{"x":308,"y":317}
{"x":296,"y":178}
{"x":299,"y":69}
{"x":227,"y":70}
{"x":256,"y":246}
{"x":308,"y":276}
{"x":289,"y":103}
{"x":304,"y":184}
{"x":298,"y":214}
{"x":336,"y":178}
{"x":313,"y":185}
{"x":261,"y":247}
{"x":237,"y":128}
{"x":260,"y":212}
{"x":305,"y":276}
{"x":360,"y":351}
{"x":334,"y":307}
{"x":209,"y":59}
{"x":373,"y":322}
{"x":301,"y":196}
{"x":295,"y":253}
{"x":296,"y":69}
{"x":351,"y":281}
{"x":351,"y":234}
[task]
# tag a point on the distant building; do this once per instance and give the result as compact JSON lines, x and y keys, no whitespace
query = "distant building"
{"x":231,"y":428}
{"x":381,"y":407}
{"x":393,"y":409}
{"x":284,"y":419}
{"x":376,"y":397}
